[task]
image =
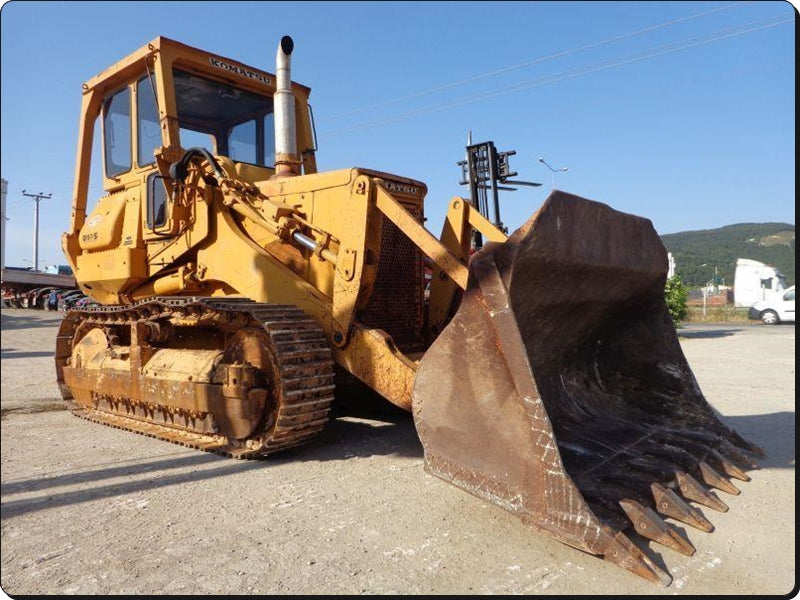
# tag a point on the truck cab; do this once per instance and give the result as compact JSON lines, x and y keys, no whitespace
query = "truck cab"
{"x":754,"y":280}
{"x":778,"y":308}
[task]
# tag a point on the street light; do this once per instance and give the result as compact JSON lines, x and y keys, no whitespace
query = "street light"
{"x":562,"y":169}
{"x":709,"y":286}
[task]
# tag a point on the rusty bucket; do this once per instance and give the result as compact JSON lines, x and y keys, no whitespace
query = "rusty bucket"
{"x":559,"y":390}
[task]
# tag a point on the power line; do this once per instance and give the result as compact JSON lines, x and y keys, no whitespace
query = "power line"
{"x":16,"y":203}
{"x":571,"y":74}
{"x":661,"y":50}
{"x":658,"y":51}
{"x":533,"y":61}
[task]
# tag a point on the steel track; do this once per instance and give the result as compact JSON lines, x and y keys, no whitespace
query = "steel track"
{"x":304,"y":363}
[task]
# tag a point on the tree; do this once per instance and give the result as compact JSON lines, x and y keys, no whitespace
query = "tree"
{"x":675,"y":293}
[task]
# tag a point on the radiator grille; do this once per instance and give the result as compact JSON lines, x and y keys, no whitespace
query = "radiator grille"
{"x":397,"y":297}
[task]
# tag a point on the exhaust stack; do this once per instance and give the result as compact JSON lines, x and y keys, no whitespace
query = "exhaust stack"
{"x":287,"y":161}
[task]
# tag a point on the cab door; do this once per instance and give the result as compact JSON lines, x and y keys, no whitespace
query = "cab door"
{"x":786,"y":308}
{"x":157,"y":211}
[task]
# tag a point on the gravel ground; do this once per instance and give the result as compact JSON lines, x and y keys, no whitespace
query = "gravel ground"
{"x":88,"y":509}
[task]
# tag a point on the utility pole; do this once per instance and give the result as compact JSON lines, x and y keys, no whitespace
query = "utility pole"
{"x":36,"y":198}
{"x":3,"y":191}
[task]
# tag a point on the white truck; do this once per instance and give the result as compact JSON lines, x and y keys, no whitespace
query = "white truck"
{"x":779,"y":308}
{"x":754,"y":281}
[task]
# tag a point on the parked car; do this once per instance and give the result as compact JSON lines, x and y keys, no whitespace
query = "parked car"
{"x":28,"y":298}
{"x":84,"y":302}
{"x":69,"y":298}
{"x":38,"y":298}
{"x":777,"y":309}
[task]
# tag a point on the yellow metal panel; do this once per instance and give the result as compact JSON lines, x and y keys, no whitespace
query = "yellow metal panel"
{"x":132,"y":225}
{"x":254,"y":273}
{"x":90,"y":109}
{"x":372,"y":357}
{"x":103,"y":228}
{"x":189,"y":223}
{"x":482,"y":224}
{"x":457,"y":237}
{"x":112,"y":270}
{"x":253,"y":173}
{"x":321,"y":211}
{"x":317,"y":182}
{"x":347,"y":282}
{"x":182,"y":364}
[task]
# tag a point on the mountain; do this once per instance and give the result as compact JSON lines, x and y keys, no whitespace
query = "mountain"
{"x":697,"y":253}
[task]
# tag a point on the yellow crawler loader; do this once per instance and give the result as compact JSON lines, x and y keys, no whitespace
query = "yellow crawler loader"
{"x":231,"y":279}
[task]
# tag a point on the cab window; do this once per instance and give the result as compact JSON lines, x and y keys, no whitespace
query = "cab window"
{"x":242,"y":142}
{"x":156,"y":202}
{"x":268,"y":124}
{"x":117,"y":133}
{"x":149,"y":129}
{"x":191,"y":138}
{"x":224,"y":119}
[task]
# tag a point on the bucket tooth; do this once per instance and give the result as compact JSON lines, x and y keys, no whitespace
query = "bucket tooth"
{"x":710,"y":448}
{"x":691,"y":489}
{"x":730,"y":469}
{"x":706,"y":452}
{"x":607,"y":509}
{"x":624,"y":553}
{"x":738,"y":456}
{"x":737,"y":453}
{"x":716,"y":434}
{"x":714,"y":479}
{"x":648,"y":524}
{"x":668,"y":503}
{"x":737,"y":440}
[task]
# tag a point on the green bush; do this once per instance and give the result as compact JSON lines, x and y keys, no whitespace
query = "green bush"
{"x":676,"y":294}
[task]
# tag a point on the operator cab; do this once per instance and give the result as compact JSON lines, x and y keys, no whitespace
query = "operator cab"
{"x":223,"y":119}
{"x":153,"y":106}
{"x":216,"y":104}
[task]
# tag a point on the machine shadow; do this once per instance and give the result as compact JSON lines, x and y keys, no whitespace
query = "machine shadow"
{"x":15,"y":508}
{"x":774,"y":433}
{"x":12,"y":321}
{"x":346,"y":436}
{"x":11,"y":353}
{"x":706,"y":334}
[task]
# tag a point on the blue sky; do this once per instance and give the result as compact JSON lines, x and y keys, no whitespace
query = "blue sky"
{"x":681,"y":112}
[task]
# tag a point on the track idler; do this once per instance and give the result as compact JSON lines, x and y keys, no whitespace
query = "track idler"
{"x":559,"y":391}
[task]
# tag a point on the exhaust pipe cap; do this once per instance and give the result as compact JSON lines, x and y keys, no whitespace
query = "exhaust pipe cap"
{"x":287,"y":44}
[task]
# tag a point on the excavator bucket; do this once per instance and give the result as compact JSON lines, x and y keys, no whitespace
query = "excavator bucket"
{"x":559,"y":390}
